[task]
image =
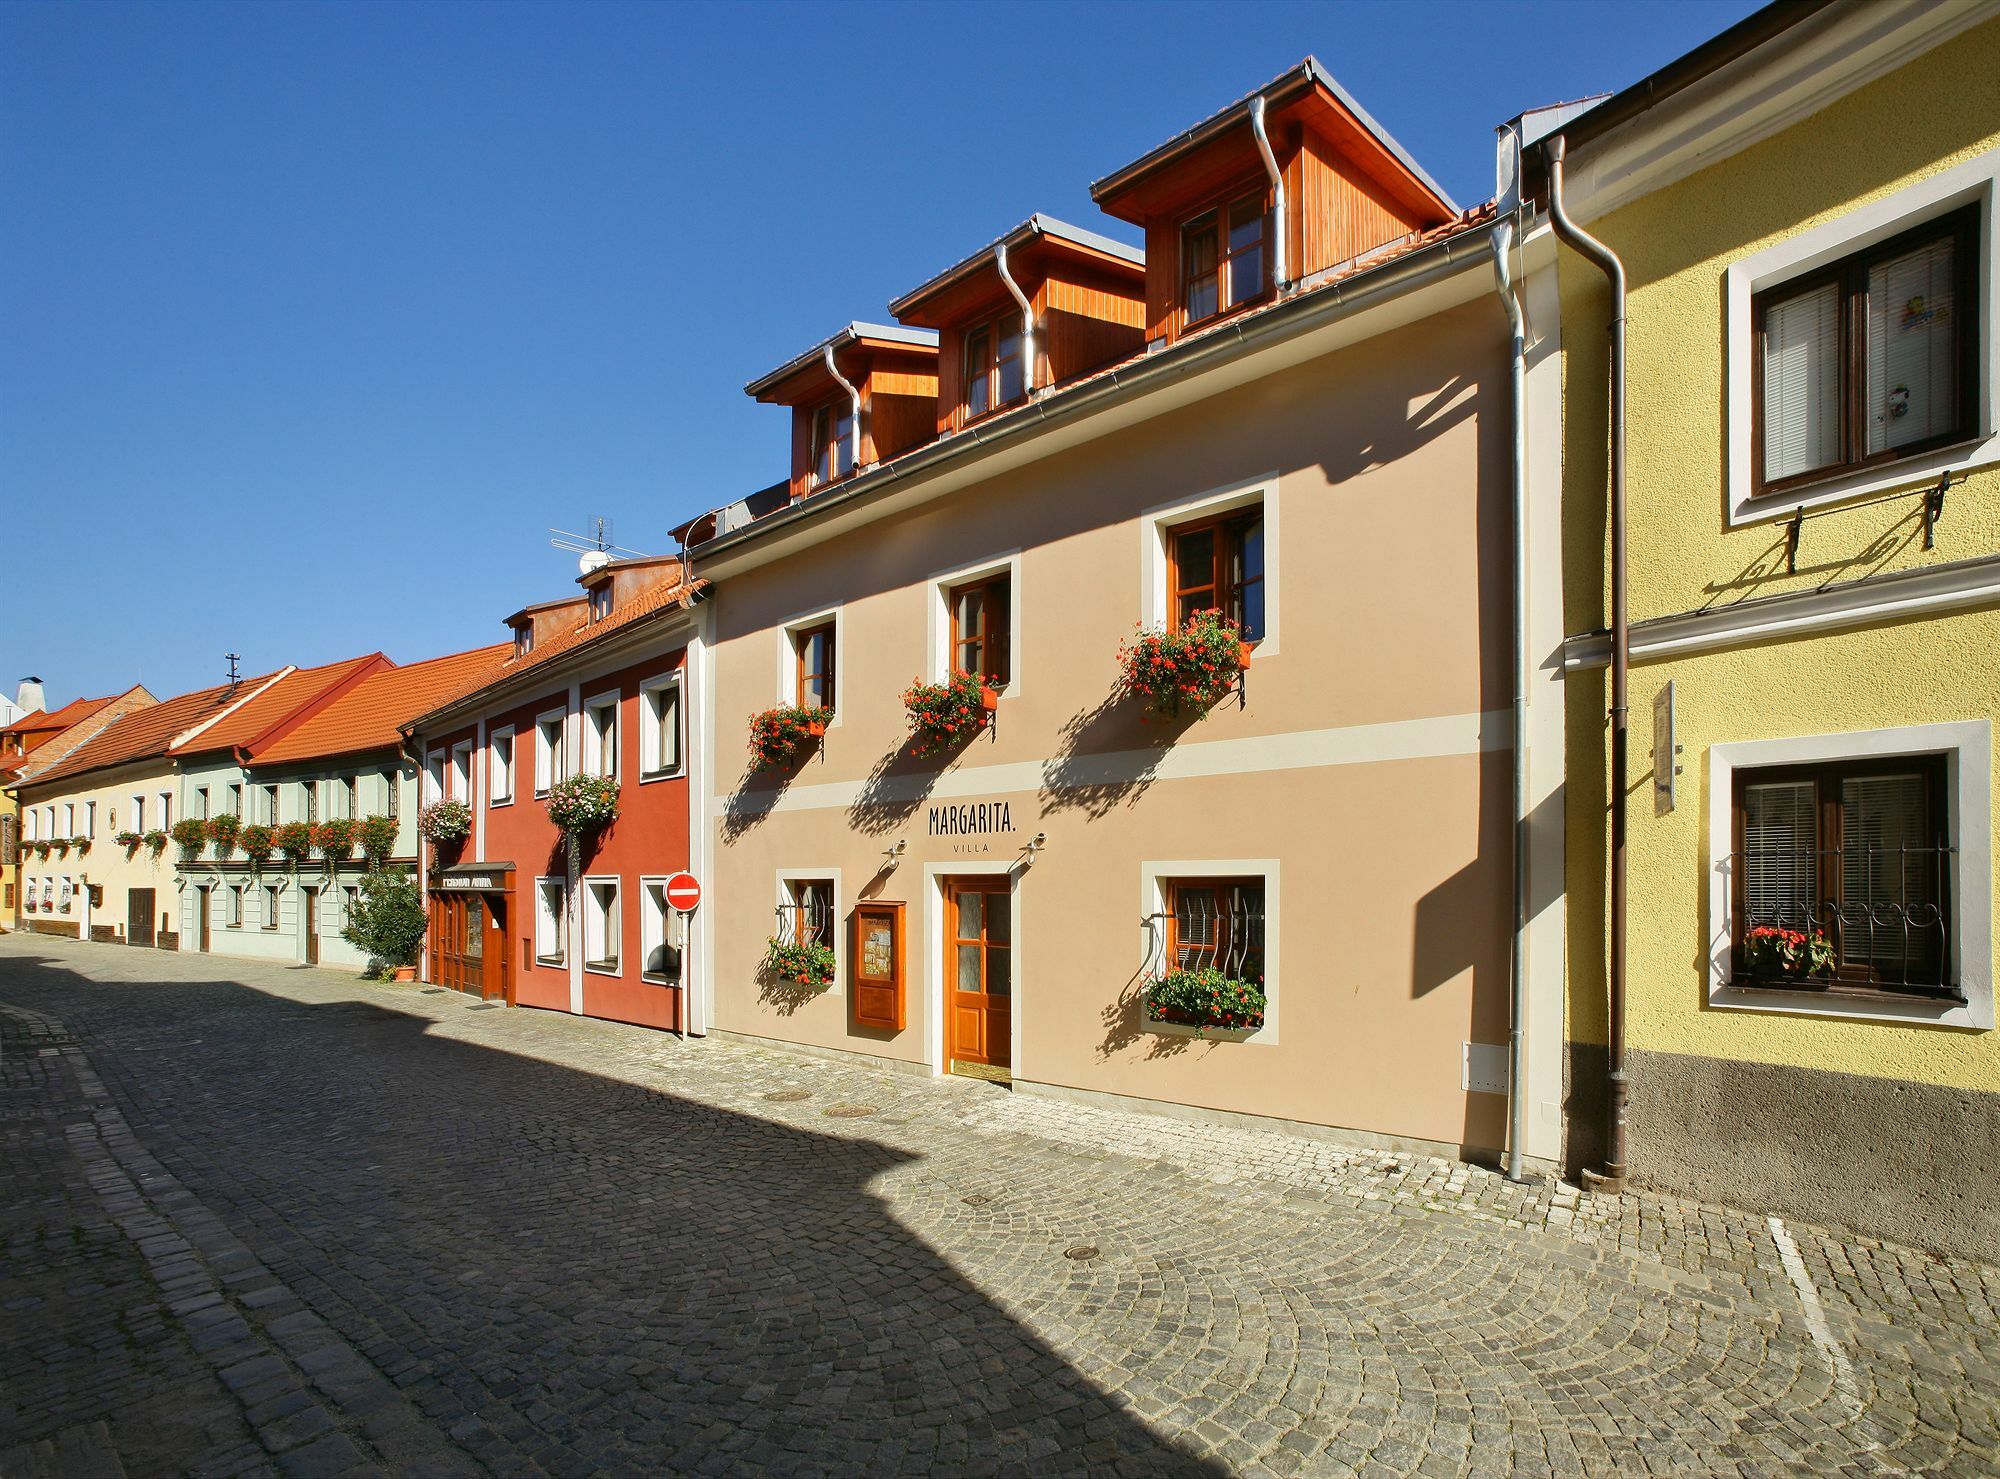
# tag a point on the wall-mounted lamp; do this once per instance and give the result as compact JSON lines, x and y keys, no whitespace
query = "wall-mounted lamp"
{"x":1039,"y":841}
{"x":895,"y":854}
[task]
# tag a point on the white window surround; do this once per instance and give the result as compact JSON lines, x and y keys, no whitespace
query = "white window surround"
{"x":1153,"y":881}
{"x":500,"y":766}
{"x":941,"y":587}
{"x":1972,"y":182}
{"x":69,"y":819}
{"x":1967,"y":746}
{"x":605,"y":922}
{"x":34,"y":830}
{"x":166,"y":811}
{"x":551,"y":920}
{"x":788,"y":656}
{"x":600,"y":722}
{"x":549,"y":766}
{"x":90,"y":819}
{"x":659,"y":924}
{"x":433,"y":777}
{"x":649,"y":725}
{"x":461,"y":772}
{"x":1156,"y":522}
{"x":783,"y":896}
{"x":138,"y":813}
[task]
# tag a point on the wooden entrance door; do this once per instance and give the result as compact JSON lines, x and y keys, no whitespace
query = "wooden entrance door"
{"x":312,"y":926}
{"x":139,"y":917}
{"x":979,"y":972}
{"x":201,"y":903}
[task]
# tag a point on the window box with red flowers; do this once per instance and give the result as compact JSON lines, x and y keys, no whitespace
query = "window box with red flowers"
{"x":222,"y":832}
{"x":1205,"y":998}
{"x":334,"y":839}
{"x":778,"y":736}
{"x":129,"y":841}
{"x":156,"y":841}
{"x":1185,"y":669}
{"x":294,"y":840}
{"x":190,"y":836}
{"x":804,"y":962}
{"x":378,"y":839}
{"x":945,"y":715}
{"x":257,"y":840}
{"x":41,"y":849}
{"x":1775,"y":953}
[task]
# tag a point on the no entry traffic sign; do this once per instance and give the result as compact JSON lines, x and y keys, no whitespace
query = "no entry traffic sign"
{"x":684,"y":892}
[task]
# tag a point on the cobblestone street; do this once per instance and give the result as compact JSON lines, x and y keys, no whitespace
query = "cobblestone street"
{"x":261,"y":1219}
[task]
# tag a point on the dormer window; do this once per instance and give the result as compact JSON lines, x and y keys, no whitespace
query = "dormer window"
{"x":524,"y":640}
{"x":833,"y":441}
{"x":600,"y":602}
{"x":1223,"y":262}
{"x":994,"y":371}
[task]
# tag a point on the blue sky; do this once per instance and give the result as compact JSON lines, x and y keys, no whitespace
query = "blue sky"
{"x":315,"y":317}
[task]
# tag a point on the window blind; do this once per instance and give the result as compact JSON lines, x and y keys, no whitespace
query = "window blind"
{"x":1912,"y":347}
{"x":1881,"y":816}
{"x":1802,"y":383}
{"x":1780,"y":847}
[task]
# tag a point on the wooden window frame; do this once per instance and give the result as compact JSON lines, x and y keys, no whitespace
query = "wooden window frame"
{"x":997,"y":636}
{"x":1225,"y":591}
{"x":804,"y":678}
{"x":1171,"y":890}
{"x":658,"y":716}
{"x":1847,"y":978}
{"x":827,"y":415}
{"x":798,"y":893}
{"x":271,"y":901}
{"x":992,"y":327}
{"x":1216,"y":214}
{"x":1850,"y":275}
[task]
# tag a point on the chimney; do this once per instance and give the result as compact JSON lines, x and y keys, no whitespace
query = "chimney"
{"x":28,"y":697}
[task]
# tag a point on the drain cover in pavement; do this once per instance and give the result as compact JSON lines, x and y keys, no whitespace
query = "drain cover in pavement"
{"x":850,"y":1111}
{"x":789,"y":1096}
{"x":1080,"y":1253}
{"x":977,"y":1199}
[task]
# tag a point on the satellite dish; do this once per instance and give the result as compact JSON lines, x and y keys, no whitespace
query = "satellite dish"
{"x":593,"y":559}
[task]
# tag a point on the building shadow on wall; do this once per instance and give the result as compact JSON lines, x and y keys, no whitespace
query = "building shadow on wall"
{"x":644,"y":1256}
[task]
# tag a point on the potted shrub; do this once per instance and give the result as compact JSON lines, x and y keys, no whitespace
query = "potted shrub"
{"x":129,"y":841}
{"x":1204,"y":997}
{"x":156,"y":842}
{"x":190,"y":836}
{"x":378,"y":839}
{"x":445,"y":825}
{"x":256,"y":840}
{"x":1185,"y":668}
{"x":1773,"y":951}
{"x":778,"y":735}
{"x":335,"y":838}
{"x":387,"y":922}
{"x":807,"y":962}
{"x":222,"y":832}
{"x":944,"y":714}
{"x":294,"y":840}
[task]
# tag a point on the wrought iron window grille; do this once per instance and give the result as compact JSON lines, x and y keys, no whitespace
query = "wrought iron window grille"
{"x":1202,"y":932}
{"x":1885,"y":915}
{"x":806,"y":923}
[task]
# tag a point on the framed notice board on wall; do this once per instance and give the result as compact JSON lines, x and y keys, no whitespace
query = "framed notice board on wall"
{"x":875,"y":966}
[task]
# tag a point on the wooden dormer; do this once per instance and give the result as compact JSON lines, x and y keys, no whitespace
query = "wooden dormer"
{"x":894,"y":371}
{"x":1205,"y":202}
{"x":617,"y":582}
{"x":1087,"y":293}
{"x":534,"y":625}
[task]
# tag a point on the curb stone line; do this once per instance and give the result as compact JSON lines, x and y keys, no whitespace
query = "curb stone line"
{"x":1845,"y":1387}
{"x":219,"y":1292}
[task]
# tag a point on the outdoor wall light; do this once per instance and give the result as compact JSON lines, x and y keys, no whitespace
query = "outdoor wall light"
{"x":1039,"y":841}
{"x":895,"y":854}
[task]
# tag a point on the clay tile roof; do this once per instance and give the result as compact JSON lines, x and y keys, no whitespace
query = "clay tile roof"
{"x":55,"y":721}
{"x":368,"y":715}
{"x":146,"y":733}
{"x":283,"y":699}
{"x":654,"y":599}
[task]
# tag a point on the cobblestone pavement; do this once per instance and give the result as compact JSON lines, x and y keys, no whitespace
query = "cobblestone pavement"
{"x":260,"y":1219}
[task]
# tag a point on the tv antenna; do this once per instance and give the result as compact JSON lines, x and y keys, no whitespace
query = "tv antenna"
{"x":234,"y":676}
{"x":595,"y":549}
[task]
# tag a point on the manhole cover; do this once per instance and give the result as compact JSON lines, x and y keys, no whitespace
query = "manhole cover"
{"x":850,"y":1111}
{"x":789,"y":1096}
{"x":977,"y":1199}
{"x":1080,"y":1253}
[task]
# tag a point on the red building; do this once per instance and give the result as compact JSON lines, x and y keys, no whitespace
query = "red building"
{"x":597,"y":685}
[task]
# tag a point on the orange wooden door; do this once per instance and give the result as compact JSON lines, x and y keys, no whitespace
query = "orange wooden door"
{"x":979,"y":970}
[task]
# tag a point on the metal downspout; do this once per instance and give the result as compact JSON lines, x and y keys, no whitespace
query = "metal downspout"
{"x":1027,"y":319}
{"x":1517,"y":1082}
{"x":854,"y":399}
{"x":1615,"y":1167}
{"x":1278,"y":278}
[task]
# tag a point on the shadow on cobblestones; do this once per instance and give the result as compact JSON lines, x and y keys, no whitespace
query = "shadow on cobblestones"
{"x":557,"y":1271}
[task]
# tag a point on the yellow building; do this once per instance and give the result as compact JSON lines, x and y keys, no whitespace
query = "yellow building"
{"x":1803,"y":210}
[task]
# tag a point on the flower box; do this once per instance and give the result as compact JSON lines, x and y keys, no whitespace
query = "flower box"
{"x":1774,"y":952}
{"x":1184,"y":669}
{"x":334,"y":839}
{"x":778,"y":736}
{"x":943,"y":715}
{"x":190,"y":836}
{"x":294,"y":840}
{"x":1205,"y":998}
{"x":583,"y":805}
{"x":804,"y":963}
{"x":222,"y":831}
{"x":257,"y":840}
{"x":156,"y":842}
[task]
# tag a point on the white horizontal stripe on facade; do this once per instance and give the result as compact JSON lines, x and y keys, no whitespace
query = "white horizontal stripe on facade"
{"x":1359,"y":744}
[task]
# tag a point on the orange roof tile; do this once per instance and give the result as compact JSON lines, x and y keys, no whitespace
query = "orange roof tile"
{"x":55,"y":721}
{"x":585,"y":633}
{"x":368,"y":715}
{"x":277,"y":704}
{"x":146,"y":733}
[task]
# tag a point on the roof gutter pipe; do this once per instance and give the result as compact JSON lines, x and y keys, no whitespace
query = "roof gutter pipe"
{"x":854,"y":399}
{"x":1278,"y":277}
{"x":1517,"y":1078}
{"x":1027,"y":317}
{"x":1613,"y":1178}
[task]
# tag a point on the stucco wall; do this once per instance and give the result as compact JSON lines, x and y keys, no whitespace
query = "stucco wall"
{"x":1677,"y":246}
{"x":1360,"y":762}
{"x":108,"y":865}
